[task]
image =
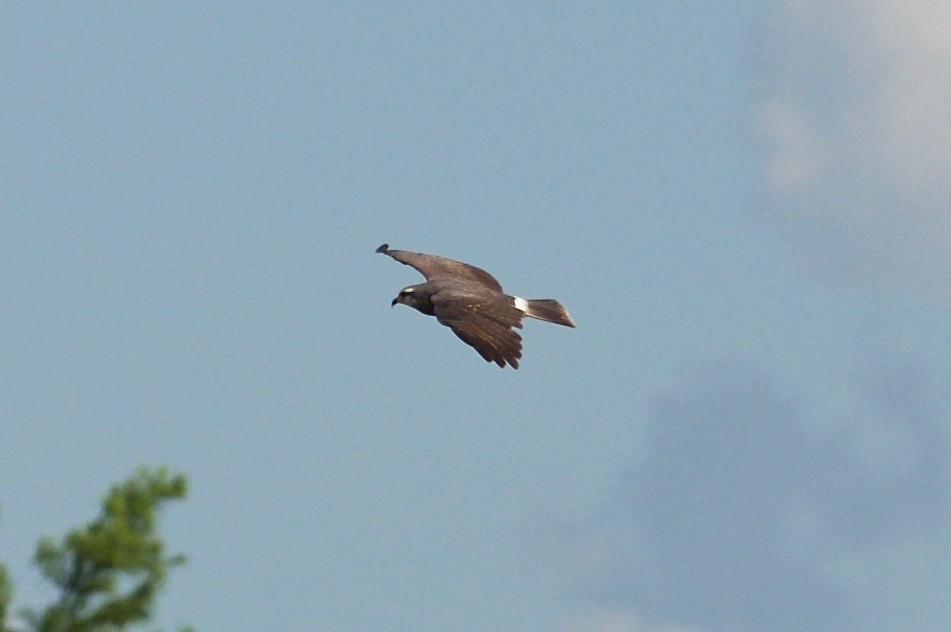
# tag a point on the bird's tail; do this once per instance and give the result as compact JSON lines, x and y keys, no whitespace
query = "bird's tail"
{"x":546,"y":309}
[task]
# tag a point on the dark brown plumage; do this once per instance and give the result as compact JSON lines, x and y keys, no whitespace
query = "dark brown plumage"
{"x":472,"y":303}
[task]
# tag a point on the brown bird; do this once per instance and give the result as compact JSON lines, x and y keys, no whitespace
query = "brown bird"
{"x":471,"y":302}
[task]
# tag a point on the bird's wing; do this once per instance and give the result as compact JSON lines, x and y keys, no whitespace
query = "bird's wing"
{"x":482,"y":322}
{"x":431,"y":266}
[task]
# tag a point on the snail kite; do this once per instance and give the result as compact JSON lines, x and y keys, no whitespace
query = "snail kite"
{"x":471,"y":302}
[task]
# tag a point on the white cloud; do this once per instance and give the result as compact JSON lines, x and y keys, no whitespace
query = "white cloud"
{"x":795,"y":157}
{"x":855,"y":119}
{"x":746,"y":506}
{"x":616,"y":620}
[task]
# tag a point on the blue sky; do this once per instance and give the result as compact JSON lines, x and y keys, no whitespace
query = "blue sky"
{"x":744,"y":206}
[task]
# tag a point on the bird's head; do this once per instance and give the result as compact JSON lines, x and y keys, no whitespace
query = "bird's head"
{"x":407,"y":296}
{"x":415,"y":296}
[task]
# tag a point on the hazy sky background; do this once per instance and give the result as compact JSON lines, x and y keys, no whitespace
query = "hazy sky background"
{"x":745,"y":206}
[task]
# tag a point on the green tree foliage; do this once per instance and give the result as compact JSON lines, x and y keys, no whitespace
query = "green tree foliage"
{"x":6,"y":595}
{"x":109,"y":572}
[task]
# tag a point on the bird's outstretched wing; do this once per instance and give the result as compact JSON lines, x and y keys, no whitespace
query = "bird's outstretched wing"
{"x":484,"y":323}
{"x":432,"y":266}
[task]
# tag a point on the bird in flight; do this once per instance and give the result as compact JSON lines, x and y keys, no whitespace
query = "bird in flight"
{"x":471,"y":302}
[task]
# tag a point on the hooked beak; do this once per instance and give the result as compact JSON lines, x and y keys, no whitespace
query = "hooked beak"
{"x":393,"y":304}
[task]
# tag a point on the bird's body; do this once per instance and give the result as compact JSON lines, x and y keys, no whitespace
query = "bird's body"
{"x":472,"y":303}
